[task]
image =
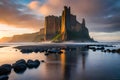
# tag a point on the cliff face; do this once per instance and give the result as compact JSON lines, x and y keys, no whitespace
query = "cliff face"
{"x":31,"y":37}
{"x":52,"y":27}
{"x":24,"y":37}
{"x":67,"y":26}
{"x":65,"y":23}
{"x":72,"y":29}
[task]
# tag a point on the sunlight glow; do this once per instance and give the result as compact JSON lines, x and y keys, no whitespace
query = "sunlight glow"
{"x":7,"y":31}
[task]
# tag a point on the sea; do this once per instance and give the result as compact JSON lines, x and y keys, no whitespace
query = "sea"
{"x":77,"y":64}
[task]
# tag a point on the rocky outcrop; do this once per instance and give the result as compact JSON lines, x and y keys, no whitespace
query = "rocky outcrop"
{"x":66,"y":27}
{"x":71,"y":29}
{"x":24,"y":37}
{"x":52,"y":26}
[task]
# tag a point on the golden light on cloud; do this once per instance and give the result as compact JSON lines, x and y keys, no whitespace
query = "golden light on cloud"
{"x":33,"y":5}
{"x":49,"y":8}
{"x":37,"y":7}
{"x":44,"y":10}
{"x":55,"y":2}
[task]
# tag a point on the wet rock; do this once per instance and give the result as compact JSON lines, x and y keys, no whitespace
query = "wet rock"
{"x":20,"y":66}
{"x":100,"y":48}
{"x":94,"y":49}
{"x":37,"y":63}
{"x":42,"y":61}
{"x":114,"y":51}
{"x":21,"y":61}
{"x":4,"y":77}
{"x":54,"y":51}
{"x":5,"y":69}
{"x":33,"y":64}
{"x":60,"y":52}
{"x":46,"y":54}
{"x":108,"y":50}
{"x":104,"y":51}
{"x":26,"y":50}
{"x":118,"y":50}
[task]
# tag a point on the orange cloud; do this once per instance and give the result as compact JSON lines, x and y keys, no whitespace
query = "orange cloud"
{"x":44,"y":10}
{"x":20,"y":16}
{"x":50,"y":7}
{"x":33,"y":5}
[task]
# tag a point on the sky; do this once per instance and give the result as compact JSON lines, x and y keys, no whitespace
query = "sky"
{"x":27,"y":16}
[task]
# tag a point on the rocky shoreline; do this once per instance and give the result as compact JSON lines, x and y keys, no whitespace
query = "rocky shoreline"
{"x":19,"y":67}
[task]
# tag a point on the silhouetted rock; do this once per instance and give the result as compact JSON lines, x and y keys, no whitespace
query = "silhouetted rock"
{"x":5,"y":69}
{"x":108,"y":50}
{"x":100,"y":48}
{"x":26,"y":51}
{"x":94,"y":49}
{"x":21,"y":61}
{"x":114,"y":51}
{"x":54,"y":51}
{"x":42,"y":61}
{"x":46,"y":54}
{"x":4,"y":77}
{"x":104,"y":51}
{"x":118,"y":50}
{"x":37,"y":63}
{"x":33,"y":64}
{"x":20,"y":66}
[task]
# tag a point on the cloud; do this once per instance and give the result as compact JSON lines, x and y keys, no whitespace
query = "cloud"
{"x":33,"y":5}
{"x":107,"y":37}
{"x":104,"y":14}
{"x":100,"y":15}
{"x":50,"y":7}
{"x":18,"y":15}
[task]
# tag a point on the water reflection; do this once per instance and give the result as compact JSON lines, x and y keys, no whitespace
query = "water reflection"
{"x":63,"y":67}
{"x":72,"y":63}
{"x":75,"y":63}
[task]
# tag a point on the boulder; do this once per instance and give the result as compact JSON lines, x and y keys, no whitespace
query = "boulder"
{"x":5,"y":69}
{"x":20,"y":66}
{"x":21,"y":61}
{"x":4,"y":77}
{"x":37,"y":63}
{"x":33,"y":64}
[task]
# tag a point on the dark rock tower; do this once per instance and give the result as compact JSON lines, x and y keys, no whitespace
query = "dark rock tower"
{"x":71,"y":29}
{"x":83,"y":22}
{"x":65,"y":23}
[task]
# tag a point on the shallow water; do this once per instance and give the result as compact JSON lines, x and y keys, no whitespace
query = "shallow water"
{"x":75,"y":65}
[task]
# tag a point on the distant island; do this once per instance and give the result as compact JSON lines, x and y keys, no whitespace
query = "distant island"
{"x":57,"y":29}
